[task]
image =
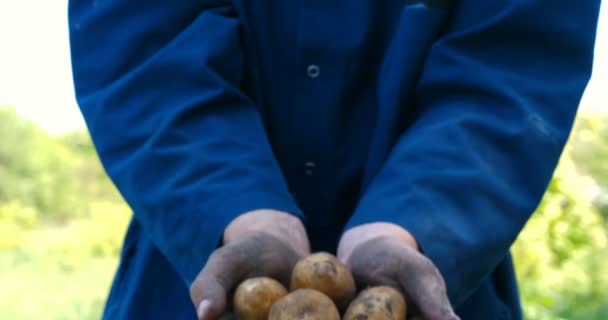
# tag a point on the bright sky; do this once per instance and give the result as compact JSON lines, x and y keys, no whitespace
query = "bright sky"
{"x":35,"y":75}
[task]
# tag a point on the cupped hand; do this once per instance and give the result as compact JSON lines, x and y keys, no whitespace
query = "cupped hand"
{"x":259,"y":243}
{"x":384,"y":254}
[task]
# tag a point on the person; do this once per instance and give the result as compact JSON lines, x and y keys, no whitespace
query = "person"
{"x":413,"y":139}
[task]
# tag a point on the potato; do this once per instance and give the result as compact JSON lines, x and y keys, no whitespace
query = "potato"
{"x":304,"y":304}
{"x":325,"y":273}
{"x":377,"y":303}
{"x":254,"y":297}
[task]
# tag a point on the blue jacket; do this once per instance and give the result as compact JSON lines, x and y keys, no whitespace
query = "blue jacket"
{"x":444,"y":117}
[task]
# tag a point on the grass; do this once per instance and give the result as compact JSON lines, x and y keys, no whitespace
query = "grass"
{"x":50,"y":275}
{"x":44,"y":288}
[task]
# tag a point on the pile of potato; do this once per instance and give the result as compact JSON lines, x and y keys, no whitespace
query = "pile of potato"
{"x":321,"y":288}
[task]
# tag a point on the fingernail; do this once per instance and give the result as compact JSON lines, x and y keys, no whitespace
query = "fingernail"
{"x":203,"y":308}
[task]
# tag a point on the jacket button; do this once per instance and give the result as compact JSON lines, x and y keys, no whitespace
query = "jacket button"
{"x":313,"y":71}
{"x":309,"y":168}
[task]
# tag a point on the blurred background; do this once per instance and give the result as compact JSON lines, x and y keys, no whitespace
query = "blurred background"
{"x":62,"y":221}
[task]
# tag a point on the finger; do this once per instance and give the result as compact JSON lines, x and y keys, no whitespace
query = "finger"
{"x":257,"y":255}
{"x":223,"y":271}
{"x":425,"y":286}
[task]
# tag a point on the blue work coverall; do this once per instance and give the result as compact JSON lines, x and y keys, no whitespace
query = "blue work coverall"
{"x":444,"y":117}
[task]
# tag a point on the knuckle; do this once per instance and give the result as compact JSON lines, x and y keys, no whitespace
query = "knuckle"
{"x":425,"y":266}
{"x":220,"y":254}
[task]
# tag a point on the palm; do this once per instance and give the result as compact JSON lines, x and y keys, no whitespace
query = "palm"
{"x":388,"y":261}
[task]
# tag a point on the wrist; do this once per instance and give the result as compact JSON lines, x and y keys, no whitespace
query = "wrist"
{"x":366,"y":232}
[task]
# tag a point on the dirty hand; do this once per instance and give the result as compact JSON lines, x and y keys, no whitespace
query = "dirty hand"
{"x":258,"y":243}
{"x":386,"y":254}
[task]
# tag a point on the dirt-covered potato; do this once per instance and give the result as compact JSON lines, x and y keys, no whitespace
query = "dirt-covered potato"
{"x":377,"y":303}
{"x":325,"y":273}
{"x":254,"y":297}
{"x":304,"y":304}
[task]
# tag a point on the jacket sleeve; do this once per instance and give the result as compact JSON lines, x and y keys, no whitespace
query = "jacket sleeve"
{"x":495,"y":103}
{"x":158,"y":84}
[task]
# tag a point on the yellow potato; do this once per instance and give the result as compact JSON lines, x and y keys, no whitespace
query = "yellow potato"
{"x":377,"y":303}
{"x":325,"y":273}
{"x":304,"y":304}
{"x":254,"y":297}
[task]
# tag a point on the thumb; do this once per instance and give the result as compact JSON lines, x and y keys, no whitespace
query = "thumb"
{"x":425,"y":285}
{"x":209,"y":298}
{"x":210,"y":288}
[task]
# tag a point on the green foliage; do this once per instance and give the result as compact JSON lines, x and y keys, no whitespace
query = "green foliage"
{"x":589,"y":147}
{"x":62,"y":223}
{"x":15,"y":221}
{"x":56,"y":176}
{"x":561,"y":254}
{"x":34,"y":168}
